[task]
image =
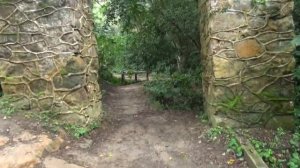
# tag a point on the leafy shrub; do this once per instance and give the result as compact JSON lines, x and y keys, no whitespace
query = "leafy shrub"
{"x":229,"y":136}
{"x":294,"y":161}
{"x":179,"y":91}
{"x":50,"y":120}
{"x":7,"y":105}
{"x":108,"y":76}
{"x":78,"y":131}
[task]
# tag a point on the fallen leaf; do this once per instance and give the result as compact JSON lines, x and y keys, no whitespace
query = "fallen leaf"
{"x":230,"y":161}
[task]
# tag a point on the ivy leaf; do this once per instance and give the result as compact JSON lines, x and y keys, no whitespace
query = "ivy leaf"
{"x":297,"y":112}
{"x":297,"y":73}
{"x":296,"y":41}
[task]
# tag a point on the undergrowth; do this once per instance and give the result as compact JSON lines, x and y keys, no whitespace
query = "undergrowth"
{"x":50,"y":120}
{"x":7,"y":106}
{"x":179,"y":91}
{"x":267,"y":150}
{"x":294,"y":162}
{"x":107,"y":75}
{"x":229,"y":138}
{"x":276,"y":153}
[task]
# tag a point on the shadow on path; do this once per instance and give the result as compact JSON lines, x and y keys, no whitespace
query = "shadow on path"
{"x":136,"y":136}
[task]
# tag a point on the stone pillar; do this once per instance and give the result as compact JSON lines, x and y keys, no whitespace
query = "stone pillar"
{"x":248,"y":62}
{"x":48,"y":57}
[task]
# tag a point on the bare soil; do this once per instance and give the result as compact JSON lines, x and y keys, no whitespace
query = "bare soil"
{"x":136,"y":135}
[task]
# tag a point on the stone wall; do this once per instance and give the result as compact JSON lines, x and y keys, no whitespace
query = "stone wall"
{"x":48,"y":57}
{"x":248,"y":62}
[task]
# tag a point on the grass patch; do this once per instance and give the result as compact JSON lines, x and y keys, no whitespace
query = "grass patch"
{"x":78,"y":131}
{"x":7,"y":106}
{"x":50,"y":120}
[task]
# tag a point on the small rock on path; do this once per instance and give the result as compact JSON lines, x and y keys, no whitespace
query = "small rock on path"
{"x":3,"y":140}
{"x":51,"y":162}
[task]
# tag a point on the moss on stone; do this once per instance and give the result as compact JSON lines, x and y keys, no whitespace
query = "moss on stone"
{"x":63,"y":72}
{"x":4,"y":1}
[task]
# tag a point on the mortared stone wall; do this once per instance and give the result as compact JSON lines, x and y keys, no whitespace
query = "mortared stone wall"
{"x":48,"y":57}
{"x":248,"y":62}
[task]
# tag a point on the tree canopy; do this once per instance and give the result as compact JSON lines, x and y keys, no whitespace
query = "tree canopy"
{"x":150,"y":35}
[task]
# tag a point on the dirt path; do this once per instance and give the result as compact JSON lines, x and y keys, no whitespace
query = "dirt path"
{"x":134,"y":135}
{"x":137,"y":136}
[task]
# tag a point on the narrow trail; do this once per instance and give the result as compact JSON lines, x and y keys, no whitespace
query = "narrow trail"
{"x":137,"y":136}
{"x":132,"y":135}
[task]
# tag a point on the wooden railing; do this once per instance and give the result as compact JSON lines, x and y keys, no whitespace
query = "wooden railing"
{"x":136,"y":74}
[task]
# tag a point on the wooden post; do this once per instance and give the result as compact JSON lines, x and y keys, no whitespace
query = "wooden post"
{"x":135,"y":76}
{"x":123,"y":77}
{"x":1,"y":91}
{"x":147,"y":75}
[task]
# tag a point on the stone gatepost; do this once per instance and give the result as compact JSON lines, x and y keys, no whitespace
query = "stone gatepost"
{"x":248,"y":62}
{"x":48,"y":57}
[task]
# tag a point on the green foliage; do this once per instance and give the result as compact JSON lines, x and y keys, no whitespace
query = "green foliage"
{"x":111,"y":78}
{"x":297,"y":15}
{"x":63,"y":72}
{"x":229,"y":136}
{"x":265,"y":152}
{"x":295,"y":141}
{"x":7,"y":107}
{"x":76,"y":130}
{"x":154,"y":36}
{"x":270,"y":151}
{"x":236,"y":147}
{"x":295,"y":161}
{"x":111,"y":43}
{"x":148,"y":35}
{"x":50,"y":120}
{"x":213,"y":133}
{"x":4,"y":1}
{"x":277,"y":138}
{"x":296,"y":41}
{"x":179,"y":91}
{"x":107,"y":75}
{"x":259,"y":1}
{"x":231,"y":104}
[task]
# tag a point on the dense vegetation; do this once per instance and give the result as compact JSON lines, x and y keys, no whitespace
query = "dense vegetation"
{"x":295,"y":141}
{"x":297,"y":56}
{"x":157,"y":36}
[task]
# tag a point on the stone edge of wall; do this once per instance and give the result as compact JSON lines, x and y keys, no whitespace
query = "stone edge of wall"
{"x":251,"y":156}
{"x":268,"y":119}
